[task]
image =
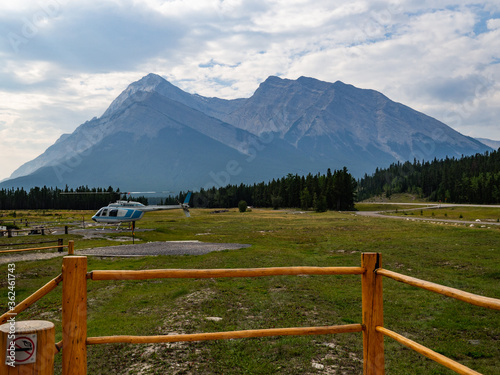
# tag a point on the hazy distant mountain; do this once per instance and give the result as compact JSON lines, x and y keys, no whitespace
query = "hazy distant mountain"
{"x":156,"y":136}
{"x":489,"y":142}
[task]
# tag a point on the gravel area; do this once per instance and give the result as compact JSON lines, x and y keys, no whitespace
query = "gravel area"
{"x":20,"y":257}
{"x":137,"y":250}
{"x":162,"y":248}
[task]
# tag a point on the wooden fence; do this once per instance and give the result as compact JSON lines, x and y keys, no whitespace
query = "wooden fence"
{"x":11,"y":232}
{"x":74,"y":310}
{"x":25,"y":243}
{"x":60,"y":246}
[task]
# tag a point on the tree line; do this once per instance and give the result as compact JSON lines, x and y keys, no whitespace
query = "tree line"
{"x":331,"y":191}
{"x":44,"y":198}
{"x":470,"y":179}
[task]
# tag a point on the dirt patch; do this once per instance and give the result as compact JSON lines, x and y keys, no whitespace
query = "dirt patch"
{"x":174,"y":357}
{"x":29,"y":256}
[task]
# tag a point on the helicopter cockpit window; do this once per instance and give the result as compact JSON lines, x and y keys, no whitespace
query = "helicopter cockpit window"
{"x":104,"y":212}
{"x":99,"y":213}
{"x":113,"y":213}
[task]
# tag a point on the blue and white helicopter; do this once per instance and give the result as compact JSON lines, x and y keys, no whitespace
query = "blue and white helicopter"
{"x":129,"y":211}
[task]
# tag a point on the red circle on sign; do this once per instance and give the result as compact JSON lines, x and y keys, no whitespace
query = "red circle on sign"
{"x":30,"y":354}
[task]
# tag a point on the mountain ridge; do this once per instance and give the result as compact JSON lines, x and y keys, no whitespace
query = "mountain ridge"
{"x":286,"y":126}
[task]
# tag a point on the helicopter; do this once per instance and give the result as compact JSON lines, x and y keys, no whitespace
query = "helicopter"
{"x":129,"y":211}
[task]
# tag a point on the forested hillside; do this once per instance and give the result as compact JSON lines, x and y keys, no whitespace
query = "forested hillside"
{"x":471,"y":179}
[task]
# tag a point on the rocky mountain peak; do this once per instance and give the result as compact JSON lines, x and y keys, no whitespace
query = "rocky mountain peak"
{"x":151,"y":79}
{"x":149,"y":83}
{"x":177,"y":140}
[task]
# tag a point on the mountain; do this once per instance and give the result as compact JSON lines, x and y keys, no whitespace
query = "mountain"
{"x":490,"y":142}
{"x":156,"y":136}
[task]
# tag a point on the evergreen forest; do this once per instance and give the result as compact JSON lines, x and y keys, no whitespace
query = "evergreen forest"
{"x":331,"y":191}
{"x":82,"y":198}
{"x":471,"y":179}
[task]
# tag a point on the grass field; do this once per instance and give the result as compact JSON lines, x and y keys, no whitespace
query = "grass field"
{"x":460,"y":257}
{"x":486,"y":214}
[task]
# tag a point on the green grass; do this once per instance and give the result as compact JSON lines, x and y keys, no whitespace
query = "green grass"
{"x":398,"y":198}
{"x":460,"y":257}
{"x":486,"y":214}
{"x":384,"y":206}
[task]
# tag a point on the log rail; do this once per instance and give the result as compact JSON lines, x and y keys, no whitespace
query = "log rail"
{"x":220,"y":273}
{"x":23,"y":305}
{"x":473,"y":299}
{"x":431,"y":354}
{"x":59,"y":247}
{"x":298,"y":331}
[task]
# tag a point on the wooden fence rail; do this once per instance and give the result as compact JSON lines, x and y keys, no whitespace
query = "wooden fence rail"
{"x":297,"y":331}
{"x":74,"y":310}
{"x":431,"y":354}
{"x":25,"y":243}
{"x":59,"y":247}
{"x":10,"y":232}
{"x":473,"y":299}
{"x":23,"y":305}
{"x":219,"y":273}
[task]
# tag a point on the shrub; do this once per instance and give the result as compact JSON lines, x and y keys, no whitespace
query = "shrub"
{"x":242,"y":206}
{"x":320,"y":203}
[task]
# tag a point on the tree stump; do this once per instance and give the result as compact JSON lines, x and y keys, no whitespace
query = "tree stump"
{"x":27,"y":347}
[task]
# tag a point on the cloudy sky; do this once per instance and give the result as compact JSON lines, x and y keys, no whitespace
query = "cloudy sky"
{"x":64,"y":61}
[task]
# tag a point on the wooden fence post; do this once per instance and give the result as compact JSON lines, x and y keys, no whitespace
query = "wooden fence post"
{"x":71,"y":247}
{"x":373,"y":315}
{"x":74,"y":315}
{"x":60,"y":245}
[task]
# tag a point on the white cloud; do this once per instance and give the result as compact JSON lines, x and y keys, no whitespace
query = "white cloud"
{"x":71,"y":59}
{"x":21,"y":144}
{"x":494,"y":24}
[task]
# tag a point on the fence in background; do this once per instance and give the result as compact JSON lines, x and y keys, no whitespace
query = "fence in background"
{"x":60,"y":246}
{"x":17,"y":232}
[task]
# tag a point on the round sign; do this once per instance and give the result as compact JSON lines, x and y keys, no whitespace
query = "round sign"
{"x":25,"y":349}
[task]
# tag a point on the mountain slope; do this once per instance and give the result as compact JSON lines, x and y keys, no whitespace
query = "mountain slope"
{"x":304,"y":110}
{"x":95,"y":130}
{"x":156,"y":136}
{"x":150,"y":142}
{"x":490,"y":142}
